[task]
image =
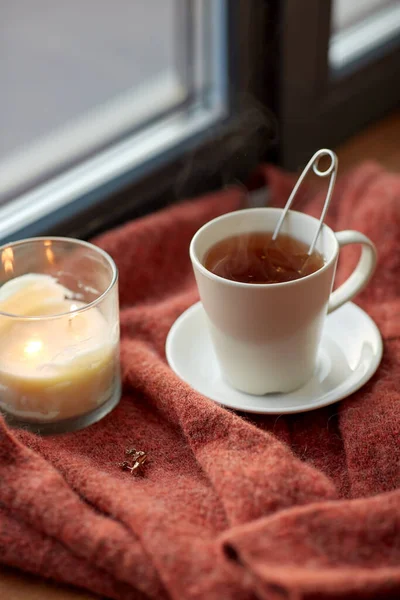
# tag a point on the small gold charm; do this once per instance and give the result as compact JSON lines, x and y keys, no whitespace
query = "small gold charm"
{"x":138,"y":457}
{"x":130,"y":451}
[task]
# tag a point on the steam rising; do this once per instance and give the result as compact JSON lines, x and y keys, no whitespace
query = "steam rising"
{"x":255,"y":258}
{"x":236,"y":150}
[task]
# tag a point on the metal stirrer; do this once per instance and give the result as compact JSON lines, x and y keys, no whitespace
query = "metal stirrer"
{"x":332,"y":171}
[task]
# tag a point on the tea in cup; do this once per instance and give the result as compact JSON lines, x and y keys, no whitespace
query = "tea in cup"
{"x":266,"y":301}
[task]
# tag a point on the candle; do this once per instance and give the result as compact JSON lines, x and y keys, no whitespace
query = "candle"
{"x":58,"y":360}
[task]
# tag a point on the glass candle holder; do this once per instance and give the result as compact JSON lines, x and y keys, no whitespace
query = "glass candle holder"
{"x":59,"y":334}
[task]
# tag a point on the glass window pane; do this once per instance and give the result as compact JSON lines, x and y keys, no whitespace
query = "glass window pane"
{"x":348,"y":12}
{"x":95,"y":92}
{"x":78,"y":75}
{"x":59,"y":60}
{"x":360,"y":28}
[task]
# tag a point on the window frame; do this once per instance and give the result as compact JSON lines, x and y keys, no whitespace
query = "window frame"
{"x":314,"y":108}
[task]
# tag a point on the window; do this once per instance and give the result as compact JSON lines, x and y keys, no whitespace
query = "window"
{"x":360,"y":30}
{"x":97,"y":95}
{"x":339,"y":68}
{"x":112,"y":109}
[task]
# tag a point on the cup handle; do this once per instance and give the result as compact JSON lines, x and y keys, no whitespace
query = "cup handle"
{"x":361,"y":274}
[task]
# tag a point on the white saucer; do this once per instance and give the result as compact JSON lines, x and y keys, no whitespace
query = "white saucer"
{"x":350,"y":352}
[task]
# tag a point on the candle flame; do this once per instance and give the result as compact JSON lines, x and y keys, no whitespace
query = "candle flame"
{"x":49,"y":251}
{"x":50,"y":255}
{"x":33,"y":347}
{"x":7,"y":258}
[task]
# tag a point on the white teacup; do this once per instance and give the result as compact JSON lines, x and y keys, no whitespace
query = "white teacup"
{"x":266,"y":336}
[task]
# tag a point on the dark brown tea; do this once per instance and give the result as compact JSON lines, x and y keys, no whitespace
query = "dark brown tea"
{"x":255,"y":258}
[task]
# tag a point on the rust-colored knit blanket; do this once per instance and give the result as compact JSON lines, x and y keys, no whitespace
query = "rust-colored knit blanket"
{"x":230,"y":507}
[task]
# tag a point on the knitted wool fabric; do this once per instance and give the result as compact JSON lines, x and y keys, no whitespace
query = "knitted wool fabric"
{"x":230,"y":507}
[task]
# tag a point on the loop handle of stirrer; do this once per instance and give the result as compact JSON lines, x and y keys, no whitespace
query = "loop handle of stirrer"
{"x":332,"y":171}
